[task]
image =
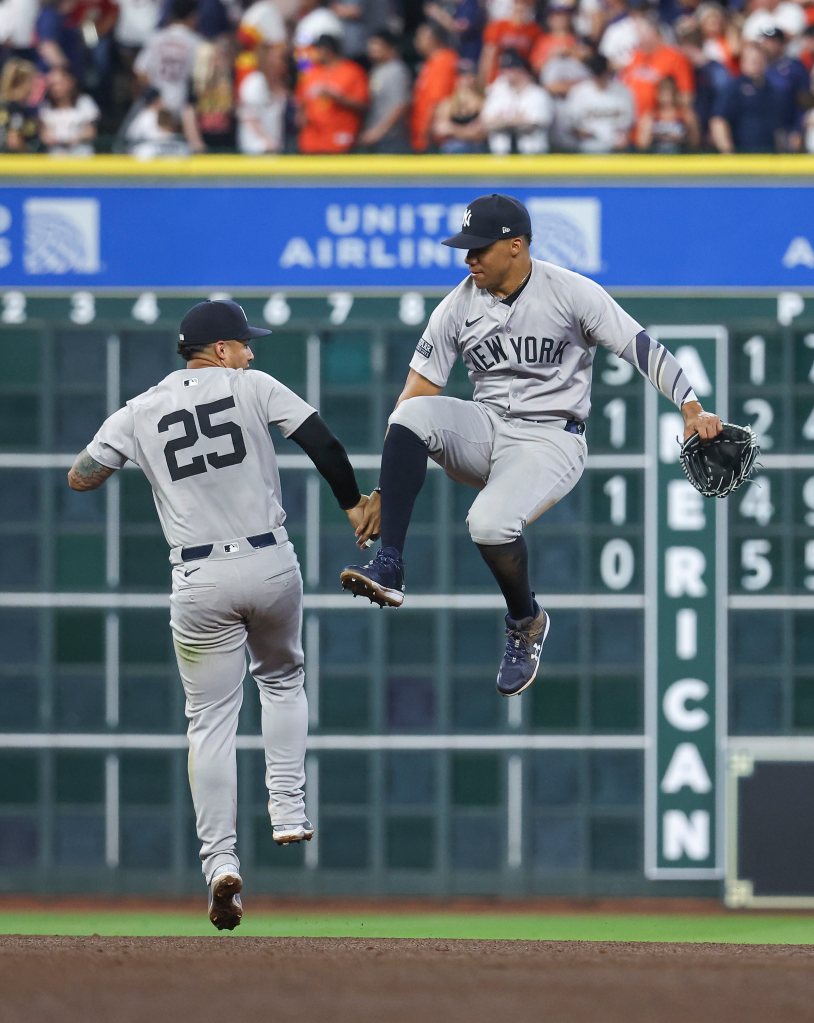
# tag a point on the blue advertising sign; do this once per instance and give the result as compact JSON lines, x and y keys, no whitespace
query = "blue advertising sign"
{"x":266,"y":236}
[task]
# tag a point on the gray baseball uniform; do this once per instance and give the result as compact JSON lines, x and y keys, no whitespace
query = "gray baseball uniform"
{"x":201,"y":437}
{"x":530,"y":363}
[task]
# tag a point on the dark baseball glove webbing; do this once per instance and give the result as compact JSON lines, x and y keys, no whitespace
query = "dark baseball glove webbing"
{"x":719,"y":466}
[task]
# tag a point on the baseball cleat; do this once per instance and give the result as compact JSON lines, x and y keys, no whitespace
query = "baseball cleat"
{"x":285,"y":834}
{"x":380,"y":580}
{"x":524,"y":644}
{"x":225,"y":907}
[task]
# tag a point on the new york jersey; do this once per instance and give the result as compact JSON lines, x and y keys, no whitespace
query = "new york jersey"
{"x":202,"y":439}
{"x":533,"y":358}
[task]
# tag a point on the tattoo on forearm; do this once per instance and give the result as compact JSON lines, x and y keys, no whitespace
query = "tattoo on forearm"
{"x":86,"y":473}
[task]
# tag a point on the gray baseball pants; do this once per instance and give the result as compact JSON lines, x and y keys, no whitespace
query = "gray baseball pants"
{"x":521,"y":467}
{"x":221,"y":606}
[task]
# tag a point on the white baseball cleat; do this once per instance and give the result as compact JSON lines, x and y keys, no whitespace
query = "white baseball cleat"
{"x":225,"y":905}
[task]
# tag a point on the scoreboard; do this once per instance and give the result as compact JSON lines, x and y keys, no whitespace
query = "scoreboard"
{"x":679,"y":623}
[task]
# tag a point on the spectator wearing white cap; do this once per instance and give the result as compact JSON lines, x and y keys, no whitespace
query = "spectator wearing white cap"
{"x":783,"y":14}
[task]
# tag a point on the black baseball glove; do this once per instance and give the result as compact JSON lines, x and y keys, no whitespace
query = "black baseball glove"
{"x":719,"y":466}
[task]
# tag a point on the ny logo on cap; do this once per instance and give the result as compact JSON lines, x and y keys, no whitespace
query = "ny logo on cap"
{"x":467,"y":218}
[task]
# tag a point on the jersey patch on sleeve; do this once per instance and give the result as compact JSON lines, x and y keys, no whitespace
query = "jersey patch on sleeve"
{"x":424,"y":348}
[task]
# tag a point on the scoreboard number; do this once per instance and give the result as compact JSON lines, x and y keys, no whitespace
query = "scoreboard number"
{"x":755,"y":351}
{"x":808,"y":500}
{"x":808,"y":341}
{"x":616,"y":372}
{"x":763,"y":418}
{"x":757,"y":567}
{"x":617,"y":564}
{"x":83,"y":307}
{"x":277,"y":311}
{"x":615,"y":489}
{"x":616,"y":412}
{"x":341,"y":303}
{"x":756,"y":502}
{"x":14,"y":307}
{"x":412,"y":308}
{"x":145,"y":308}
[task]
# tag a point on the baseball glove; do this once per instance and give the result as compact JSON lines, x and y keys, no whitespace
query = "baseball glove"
{"x":719,"y":466}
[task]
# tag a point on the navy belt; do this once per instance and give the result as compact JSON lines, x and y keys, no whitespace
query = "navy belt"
{"x":575,"y":426}
{"x":205,"y":549}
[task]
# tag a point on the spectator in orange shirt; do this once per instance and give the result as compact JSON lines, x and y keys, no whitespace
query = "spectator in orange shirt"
{"x":558,"y":37}
{"x":436,"y":81}
{"x":332,"y":96}
{"x":519,"y":33}
{"x":653,"y":60}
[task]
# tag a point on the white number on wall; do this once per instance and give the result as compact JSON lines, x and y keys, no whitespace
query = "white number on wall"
{"x":616,"y":412}
{"x":755,"y":349}
{"x":617,"y":371}
{"x":412,"y":308}
{"x":617,"y":563}
{"x":756,"y":502}
{"x":615,"y":489}
{"x":341,"y":303}
{"x":757,"y":569}
{"x":14,"y":307}
{"x":762,"y":415}
{"x":83,"y":307}
{"x":277,"y":311}
{"x":145,"y":308}
{"x":808,"y":500}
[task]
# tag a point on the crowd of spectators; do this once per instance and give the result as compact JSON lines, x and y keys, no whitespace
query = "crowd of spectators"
{"x":171,"y":77}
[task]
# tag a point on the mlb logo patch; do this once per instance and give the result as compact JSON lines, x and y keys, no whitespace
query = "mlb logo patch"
{"x":61,"y":236}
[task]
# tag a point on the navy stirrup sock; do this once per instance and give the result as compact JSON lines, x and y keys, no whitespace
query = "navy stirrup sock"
{"x":404,"y":469}
{"x":509,"y":564}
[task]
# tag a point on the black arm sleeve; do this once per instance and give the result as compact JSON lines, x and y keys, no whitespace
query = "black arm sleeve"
{"x":328,"y":455}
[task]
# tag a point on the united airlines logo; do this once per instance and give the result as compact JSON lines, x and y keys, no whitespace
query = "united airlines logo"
{"x":61,"y":236}
{"x":567,"y":232}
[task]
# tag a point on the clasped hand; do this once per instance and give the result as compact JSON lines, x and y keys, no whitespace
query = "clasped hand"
{"x":366,"y":519}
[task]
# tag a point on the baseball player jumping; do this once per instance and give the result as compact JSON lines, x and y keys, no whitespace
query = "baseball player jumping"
{"x":527,"y":332}
{"x":201,"y":437}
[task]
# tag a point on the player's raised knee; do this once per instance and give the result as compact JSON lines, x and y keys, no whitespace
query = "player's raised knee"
{"x":415,"y":414}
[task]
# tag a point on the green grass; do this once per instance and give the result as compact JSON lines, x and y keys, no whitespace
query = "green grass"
{"x":752,"y":928}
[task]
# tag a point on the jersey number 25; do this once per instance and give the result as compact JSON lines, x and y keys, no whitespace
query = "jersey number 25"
{"x":191,"y":436}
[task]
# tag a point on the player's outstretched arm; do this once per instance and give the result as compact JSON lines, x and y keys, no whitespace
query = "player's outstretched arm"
{"x":662,"y":369}
{"x":86,"y":473}
{"x":331,"y":461}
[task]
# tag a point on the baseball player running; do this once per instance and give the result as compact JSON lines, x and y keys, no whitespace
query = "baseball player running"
{"x":527,"y":332}
{"x":201,"y":436}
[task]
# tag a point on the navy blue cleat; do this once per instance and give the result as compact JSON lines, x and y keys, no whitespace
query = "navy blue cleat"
{"x":380,"y":580}
{"x":524,"y":644}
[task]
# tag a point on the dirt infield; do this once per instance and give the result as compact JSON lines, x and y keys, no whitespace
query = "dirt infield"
{"x":228,"y":978}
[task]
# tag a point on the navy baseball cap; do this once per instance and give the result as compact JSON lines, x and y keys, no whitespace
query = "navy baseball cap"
{"x":222,"y":320}
{"x":488,"y":219}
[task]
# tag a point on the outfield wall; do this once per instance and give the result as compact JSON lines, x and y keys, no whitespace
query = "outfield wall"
{"x":420,"y":779}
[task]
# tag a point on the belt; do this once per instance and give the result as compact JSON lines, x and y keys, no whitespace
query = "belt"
{"x":205,"y":549}
{"x":575,"y":426}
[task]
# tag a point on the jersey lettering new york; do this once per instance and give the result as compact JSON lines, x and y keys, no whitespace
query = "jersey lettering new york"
{"x":532,"y":358}
{"x":491,"y":353}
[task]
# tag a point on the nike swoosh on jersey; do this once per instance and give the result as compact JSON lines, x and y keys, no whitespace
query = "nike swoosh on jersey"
{"x":189,"y":571}
{"x":471,"y":323}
